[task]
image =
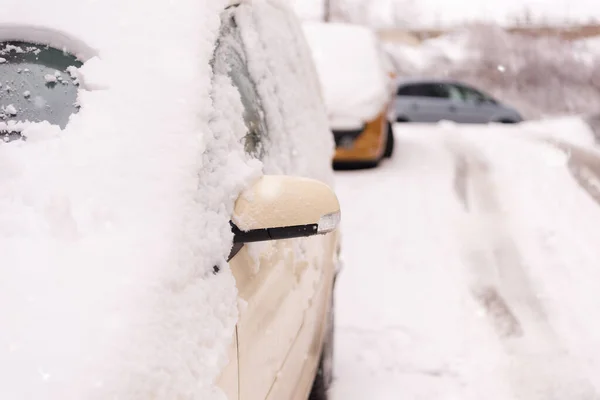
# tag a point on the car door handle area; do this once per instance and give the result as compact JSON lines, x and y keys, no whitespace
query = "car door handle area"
{"x":452,"y":108}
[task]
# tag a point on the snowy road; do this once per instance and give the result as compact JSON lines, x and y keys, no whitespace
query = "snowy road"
{"x":472,"y":261}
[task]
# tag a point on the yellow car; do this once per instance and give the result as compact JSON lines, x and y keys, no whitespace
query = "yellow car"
{"x":357,"y":84}
{"x":366,"y":145}
{"x":169,"y":227}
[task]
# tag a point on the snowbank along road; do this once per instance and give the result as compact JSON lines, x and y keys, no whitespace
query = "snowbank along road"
{"x":471,"y":266}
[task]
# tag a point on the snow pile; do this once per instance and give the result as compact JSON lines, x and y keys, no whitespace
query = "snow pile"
{"x":541,"y":76}
{"x":110,"y":228}
{"x":352,"y":72}
{"x":573,"y":130}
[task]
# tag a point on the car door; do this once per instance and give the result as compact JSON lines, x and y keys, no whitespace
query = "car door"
{"x":464,"y":107}
{"x":306,"y":142}
{"x":426,"y":102}
{"x":280,"y":283}
{"x":476,"y":107}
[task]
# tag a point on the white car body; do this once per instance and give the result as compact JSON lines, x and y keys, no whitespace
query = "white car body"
{"x":119,"y":279}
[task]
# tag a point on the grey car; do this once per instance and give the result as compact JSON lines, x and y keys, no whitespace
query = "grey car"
{"x":433,"y":100}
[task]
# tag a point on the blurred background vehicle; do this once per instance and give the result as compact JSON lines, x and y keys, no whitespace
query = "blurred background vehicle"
{"x":434,"y":100}
{"x":357,"y":83}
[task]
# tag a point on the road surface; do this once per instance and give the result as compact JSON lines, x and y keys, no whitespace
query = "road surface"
{"x":471,"y":263}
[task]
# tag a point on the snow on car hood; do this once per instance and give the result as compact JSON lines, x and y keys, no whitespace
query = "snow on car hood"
{"x":352,"y":73}
{"x":110,"y":228}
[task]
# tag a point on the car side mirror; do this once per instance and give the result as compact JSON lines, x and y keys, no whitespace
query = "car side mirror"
{"x":284,"y":207}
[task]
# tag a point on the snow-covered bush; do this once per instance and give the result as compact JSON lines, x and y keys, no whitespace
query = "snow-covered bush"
{"x":540,"y":75}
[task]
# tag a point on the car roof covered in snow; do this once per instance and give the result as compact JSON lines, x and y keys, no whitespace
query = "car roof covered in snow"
{"x":352,"y":69}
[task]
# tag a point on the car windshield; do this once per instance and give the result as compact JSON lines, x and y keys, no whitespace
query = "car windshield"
{"x":36,"y":84}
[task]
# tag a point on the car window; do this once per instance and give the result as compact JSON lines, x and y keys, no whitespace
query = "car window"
{"x":433,"y":90}
{"x":472,"y":95}
{"x":230,"y":60}
{"x":406,"y":90}
{"x":454,"y":93}
{"x":36,"y":84}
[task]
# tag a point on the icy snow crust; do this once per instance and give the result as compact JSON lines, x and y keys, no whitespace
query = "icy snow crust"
{"x":109,"y":229}
{"x":351,"y":70}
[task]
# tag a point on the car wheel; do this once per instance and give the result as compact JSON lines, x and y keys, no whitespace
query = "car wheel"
{"x":507,"y":121}
{"x":324,"y":377}
{"x":389,"y":145}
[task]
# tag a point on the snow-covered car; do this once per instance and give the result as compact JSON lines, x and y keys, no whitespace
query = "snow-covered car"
{"x":168,"y":227}
{"x":357,"y":81}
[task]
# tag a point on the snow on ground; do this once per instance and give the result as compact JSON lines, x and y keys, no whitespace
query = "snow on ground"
{"x":471,"y":267}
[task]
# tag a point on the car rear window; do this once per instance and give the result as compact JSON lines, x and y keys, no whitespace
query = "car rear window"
{"x":36,"y":84}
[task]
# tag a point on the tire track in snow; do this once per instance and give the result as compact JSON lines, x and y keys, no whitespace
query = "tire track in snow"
{"x":502,"y":317}
{"x":539,"y":366}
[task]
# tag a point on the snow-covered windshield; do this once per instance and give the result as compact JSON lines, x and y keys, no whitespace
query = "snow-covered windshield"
{"x":36,"y":84}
